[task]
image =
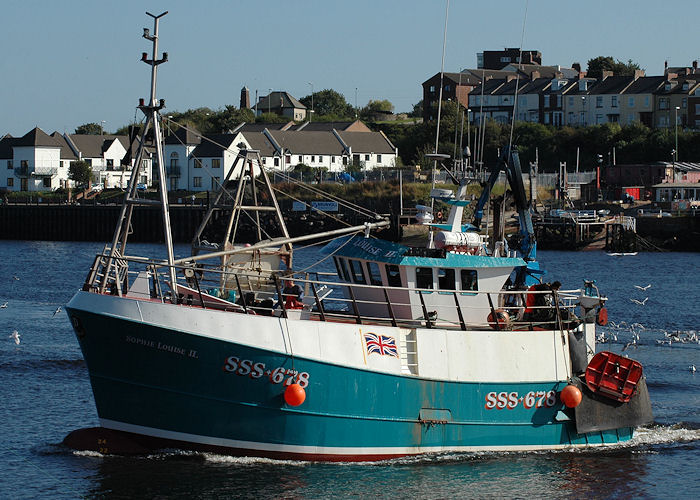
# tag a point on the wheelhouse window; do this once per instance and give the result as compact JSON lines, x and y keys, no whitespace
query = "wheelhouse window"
{"x":358,"y":275}
{"x":393,"y":275}
{"x":342,"y":269}
{"x":446,"y":279}
{"x":375,"y":277}
{"x":469,"y":279}
{"x":424,"y":277}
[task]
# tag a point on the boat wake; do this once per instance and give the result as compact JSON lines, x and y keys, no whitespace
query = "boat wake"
{"x":646,"y":439}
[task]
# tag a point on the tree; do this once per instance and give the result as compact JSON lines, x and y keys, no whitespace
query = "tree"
{"x":89,"y":129}
{"x":227,"y":119}
{"x":271,"y":118}
{"x":417,"y":110}
{"x":80,"y":172}
{"x":329,"y":103}
{"x":599,"y":64}
{"x":383,"y":106}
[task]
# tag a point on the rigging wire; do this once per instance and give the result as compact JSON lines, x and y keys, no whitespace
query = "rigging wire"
{"x":442,"y":74}
{"x":284,"y":175}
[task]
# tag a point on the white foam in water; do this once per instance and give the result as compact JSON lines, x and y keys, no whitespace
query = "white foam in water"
{"x":88,"y":453}
{"x":660,"y":434}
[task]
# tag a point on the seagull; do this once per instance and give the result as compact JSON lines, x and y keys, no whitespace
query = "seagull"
{"x":632,"y":343}
{"x":3,"y":306}
{"x":16,"y":278}
{"x":15,"y":336}
{"x":58,"y":310}
{"x":692,"y":368}
{"x":640,"y":302}
{"x":644,"y":288}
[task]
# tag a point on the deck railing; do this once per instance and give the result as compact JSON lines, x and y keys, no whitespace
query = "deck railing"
{"x":327,"y":299}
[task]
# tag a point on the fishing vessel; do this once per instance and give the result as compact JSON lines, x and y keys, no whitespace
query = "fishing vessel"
{"x":455,"y":346}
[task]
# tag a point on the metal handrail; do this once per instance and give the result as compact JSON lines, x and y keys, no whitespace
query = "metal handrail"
{"x":331,"y":307}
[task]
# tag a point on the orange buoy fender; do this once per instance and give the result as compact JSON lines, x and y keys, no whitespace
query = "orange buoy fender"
{"x":571,"y":396}
{"x":602,"y":316}
{"x":294,"y":395}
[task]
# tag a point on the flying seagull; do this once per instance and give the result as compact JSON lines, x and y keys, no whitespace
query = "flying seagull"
{"x":644,"y":288}
{"x":15,"y":335}
{"x":58,"y":310}
{"x":640,"y":302}
{"x":16,"y":278}
{"x":3,"y":306}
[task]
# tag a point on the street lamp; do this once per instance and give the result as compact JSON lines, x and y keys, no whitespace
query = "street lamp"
{"x":312,"y":100}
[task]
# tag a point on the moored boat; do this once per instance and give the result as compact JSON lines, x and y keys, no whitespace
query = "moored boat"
{"x":457,"y":346}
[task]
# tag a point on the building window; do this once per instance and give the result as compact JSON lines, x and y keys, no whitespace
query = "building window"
{"x":663,"y":103}
{"x":599,"y":101}
{"x":216,"y":163}
{"x":614,"y":101}
{"x":469,"y":279}
{"x":197,"y":163}
{"x":571,"y":101}
{"x":393,"y":275}
{"x":47,"y":182}
{"x":599,"y":119}
{"x":110,"y":163}
{"x":10,"y":182}
{"x":424,"y":277}
{"x":630,"y":102}
{"x":447,"y":87}
{"x":24,"y":163}
{"x":300,"y":159}
{"x":366,"y":157}
{"x":9,"y":165}
{"x":215,"y":182}
{"x":277,"y":162}
{"x":379,"y":158}
{"x":684,"y":103}
{"x":432,"y":88}
{"x":320,"y":159}
{"x":332,"y":159}
{"x":646,"y":101}
{"x":313,"y":159}
{"x":197,"y":182}
{"x":264,"y":160}
{"x":375,"y":277}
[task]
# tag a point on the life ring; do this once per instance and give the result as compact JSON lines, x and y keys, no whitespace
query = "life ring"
{"x":439,"y":215}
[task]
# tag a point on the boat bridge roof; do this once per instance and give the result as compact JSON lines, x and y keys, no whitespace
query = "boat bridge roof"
{"x":372,"y":249}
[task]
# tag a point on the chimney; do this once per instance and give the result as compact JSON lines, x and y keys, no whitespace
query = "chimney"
{"x":607,"y":74}
{"x":534,"y":75}
{"x":665,"y":66}
{"x":639,"y":73}
{"x":245,"y":98}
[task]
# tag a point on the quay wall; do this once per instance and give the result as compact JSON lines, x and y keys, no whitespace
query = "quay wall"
{"x":93,"y":223}
{"x":97,"y":223}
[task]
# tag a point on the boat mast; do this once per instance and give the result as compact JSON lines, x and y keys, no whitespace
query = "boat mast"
{"x":152,"y":113}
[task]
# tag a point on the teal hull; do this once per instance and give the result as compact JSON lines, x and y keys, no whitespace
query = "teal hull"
{"x":212,"y":394}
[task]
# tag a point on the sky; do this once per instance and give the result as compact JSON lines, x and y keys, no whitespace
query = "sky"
{"x":72,"y":62}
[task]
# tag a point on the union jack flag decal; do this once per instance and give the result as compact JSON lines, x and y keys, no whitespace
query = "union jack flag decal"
{"x":381,"y":344}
